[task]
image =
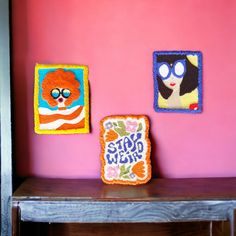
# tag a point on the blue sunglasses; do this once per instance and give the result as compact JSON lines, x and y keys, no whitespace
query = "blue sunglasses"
{"x":178,"y":69}
{"x":55,"y":93}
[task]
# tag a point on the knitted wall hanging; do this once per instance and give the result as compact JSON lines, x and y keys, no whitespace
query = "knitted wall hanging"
{"x":177,"y":81}
{"x":61,"y":99}
{"x":126,"y":150}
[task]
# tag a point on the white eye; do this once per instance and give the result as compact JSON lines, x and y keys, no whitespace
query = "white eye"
{"x":179,"y":69}
{"x":164,"y":71}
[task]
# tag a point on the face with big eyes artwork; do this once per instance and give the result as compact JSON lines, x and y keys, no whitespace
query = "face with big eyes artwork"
{"x":177,"y":81}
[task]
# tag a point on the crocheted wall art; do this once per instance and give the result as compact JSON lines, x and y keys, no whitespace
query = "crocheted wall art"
{"x":177,"y":81}
{"x":61,"y":99}
{"x":126,"y":150}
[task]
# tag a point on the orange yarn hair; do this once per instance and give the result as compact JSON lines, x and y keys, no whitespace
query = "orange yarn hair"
{"x":60,"y":79}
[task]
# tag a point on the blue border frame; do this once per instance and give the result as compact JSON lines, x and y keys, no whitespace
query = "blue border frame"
{"x":158,"y":109}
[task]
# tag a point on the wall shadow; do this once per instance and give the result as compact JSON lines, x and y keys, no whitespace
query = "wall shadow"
{"x":155,"y":157}
{"x":19,"y":91}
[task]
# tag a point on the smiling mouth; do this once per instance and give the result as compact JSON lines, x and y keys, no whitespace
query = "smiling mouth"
{"x":172,"y":84}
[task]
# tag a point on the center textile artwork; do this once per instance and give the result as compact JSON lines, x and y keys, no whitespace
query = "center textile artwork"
{"x":126,"y":149}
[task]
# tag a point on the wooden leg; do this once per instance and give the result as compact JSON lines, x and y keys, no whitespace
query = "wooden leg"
{"x":220,"y":228}
{"x":15,"y":220}
{"x":233,"y":223}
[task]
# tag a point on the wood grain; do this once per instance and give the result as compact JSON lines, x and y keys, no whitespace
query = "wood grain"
{"x":110,"y":212}
{"x":155,"y":190}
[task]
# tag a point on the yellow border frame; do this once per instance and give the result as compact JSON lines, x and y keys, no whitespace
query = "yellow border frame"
{"x":36,"y":101}
{"x":148,"y":154}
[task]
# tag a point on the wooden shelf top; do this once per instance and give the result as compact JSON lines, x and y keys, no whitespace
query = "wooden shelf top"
{"x":155,"y":190}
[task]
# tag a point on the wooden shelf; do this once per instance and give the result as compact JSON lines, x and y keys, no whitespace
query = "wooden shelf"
{"x":91,"y":201}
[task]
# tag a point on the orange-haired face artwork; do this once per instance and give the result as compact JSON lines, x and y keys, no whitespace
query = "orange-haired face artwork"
{"x":60,"y":88}
{"x":61,"y":100}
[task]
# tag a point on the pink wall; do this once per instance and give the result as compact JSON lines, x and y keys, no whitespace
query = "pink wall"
{"x":116,"y":38}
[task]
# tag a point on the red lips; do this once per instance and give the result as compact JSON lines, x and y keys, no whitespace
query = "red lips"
{"x":60,"y":100}
{"x":172,"y":84}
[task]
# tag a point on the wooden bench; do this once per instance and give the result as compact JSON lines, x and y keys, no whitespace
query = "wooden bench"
{"x":91,"y":201}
